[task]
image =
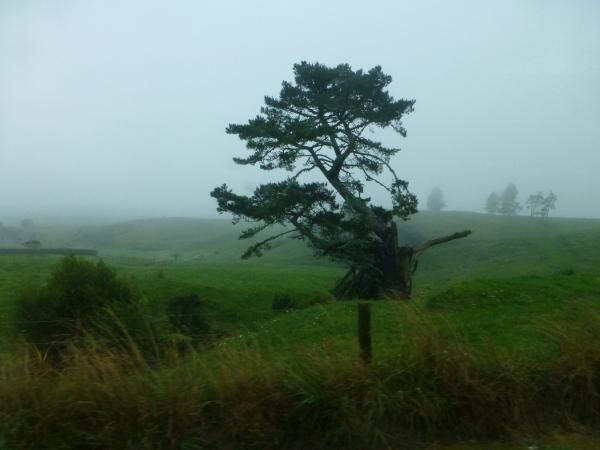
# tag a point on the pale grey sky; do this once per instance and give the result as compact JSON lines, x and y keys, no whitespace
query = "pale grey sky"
{"x":120,"y":107}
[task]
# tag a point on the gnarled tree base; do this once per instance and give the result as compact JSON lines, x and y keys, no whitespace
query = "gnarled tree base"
{"x":392,"y":276}
{"x":370,"y":283}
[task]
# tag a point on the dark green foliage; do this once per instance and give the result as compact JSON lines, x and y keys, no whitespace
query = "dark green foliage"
{"x":318,"y":124}
{"x":283,"y":302}
{"x":77,"y":295}
{"x":190,"y":316}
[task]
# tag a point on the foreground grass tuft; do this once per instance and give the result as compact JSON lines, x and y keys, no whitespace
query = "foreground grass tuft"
{"x":434,"y":388}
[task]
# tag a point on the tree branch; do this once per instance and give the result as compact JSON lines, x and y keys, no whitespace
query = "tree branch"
{"x":424,"y":246}
{"x":255,"y":249}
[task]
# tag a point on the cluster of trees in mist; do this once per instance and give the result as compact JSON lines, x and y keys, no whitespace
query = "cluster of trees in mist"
{"x":506,"y":202}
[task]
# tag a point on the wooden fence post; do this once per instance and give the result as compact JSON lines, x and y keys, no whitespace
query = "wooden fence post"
{"x":364,"y":331}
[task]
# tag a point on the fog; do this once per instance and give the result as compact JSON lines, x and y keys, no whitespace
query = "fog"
{"x":119,"y":109}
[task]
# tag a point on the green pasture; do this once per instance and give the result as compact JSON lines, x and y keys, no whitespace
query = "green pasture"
{"x":510,"y":290}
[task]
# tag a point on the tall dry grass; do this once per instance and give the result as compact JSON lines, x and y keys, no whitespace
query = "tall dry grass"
{"x":433,"y":388}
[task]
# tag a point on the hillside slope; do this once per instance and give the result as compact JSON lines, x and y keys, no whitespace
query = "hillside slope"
{"x":504,"y":246}
{"x":499,"y":245}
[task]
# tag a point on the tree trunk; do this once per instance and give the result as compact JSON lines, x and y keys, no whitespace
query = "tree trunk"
{"x":391,"y":275}
{"x":395,"y":266}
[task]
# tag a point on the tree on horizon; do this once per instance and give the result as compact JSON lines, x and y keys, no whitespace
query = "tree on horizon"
{"x":435,"y":201}
{"x":509,"y":205}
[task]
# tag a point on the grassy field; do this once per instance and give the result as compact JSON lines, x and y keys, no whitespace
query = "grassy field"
{"x":503,"y":323}
{"x":208,"y":262}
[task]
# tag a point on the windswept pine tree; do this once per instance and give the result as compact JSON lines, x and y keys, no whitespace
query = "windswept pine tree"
{"x":318,"y":124}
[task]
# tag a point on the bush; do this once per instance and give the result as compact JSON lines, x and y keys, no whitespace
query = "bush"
{"x":76,"y":298}
{"x":283,"y":302}
{"x":568,"y":271}
{"x":190,"y":315}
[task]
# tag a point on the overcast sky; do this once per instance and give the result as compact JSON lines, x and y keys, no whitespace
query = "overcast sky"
{"x":120,"y":107}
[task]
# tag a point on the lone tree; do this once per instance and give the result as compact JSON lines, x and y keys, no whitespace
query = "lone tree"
{"x":492,"y":204}
{"x":435,"y":201}
{"x":318,"y":125}
{"x":509,"y":205}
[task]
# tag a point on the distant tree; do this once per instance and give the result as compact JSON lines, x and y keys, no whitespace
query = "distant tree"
{"x":548,"y":203}
{"x":32,"y":244}
{"x":318,"y":124}
{"x":534,"y":203}
{"x":509,"y":205}
{"x":540,"y":205}
{"x":492,"y":205}
{"x":435,"y":201}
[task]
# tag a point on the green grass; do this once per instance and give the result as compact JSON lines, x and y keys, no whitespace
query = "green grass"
{"x":510,"y":310}
{"x":511,"y":315}
{"x":246,"y":393}
{"x":531,"y":252}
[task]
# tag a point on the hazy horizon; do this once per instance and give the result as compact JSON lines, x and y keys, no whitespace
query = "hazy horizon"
{"x":118,"y":110}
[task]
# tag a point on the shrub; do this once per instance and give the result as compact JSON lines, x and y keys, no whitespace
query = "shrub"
{"x":71,"y":304}
{"x":568,"y":271}
{"x":283,"y":302}
{"x":190,"y":315}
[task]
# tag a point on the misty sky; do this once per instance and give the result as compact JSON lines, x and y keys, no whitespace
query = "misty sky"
{"x":120,"y":107}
